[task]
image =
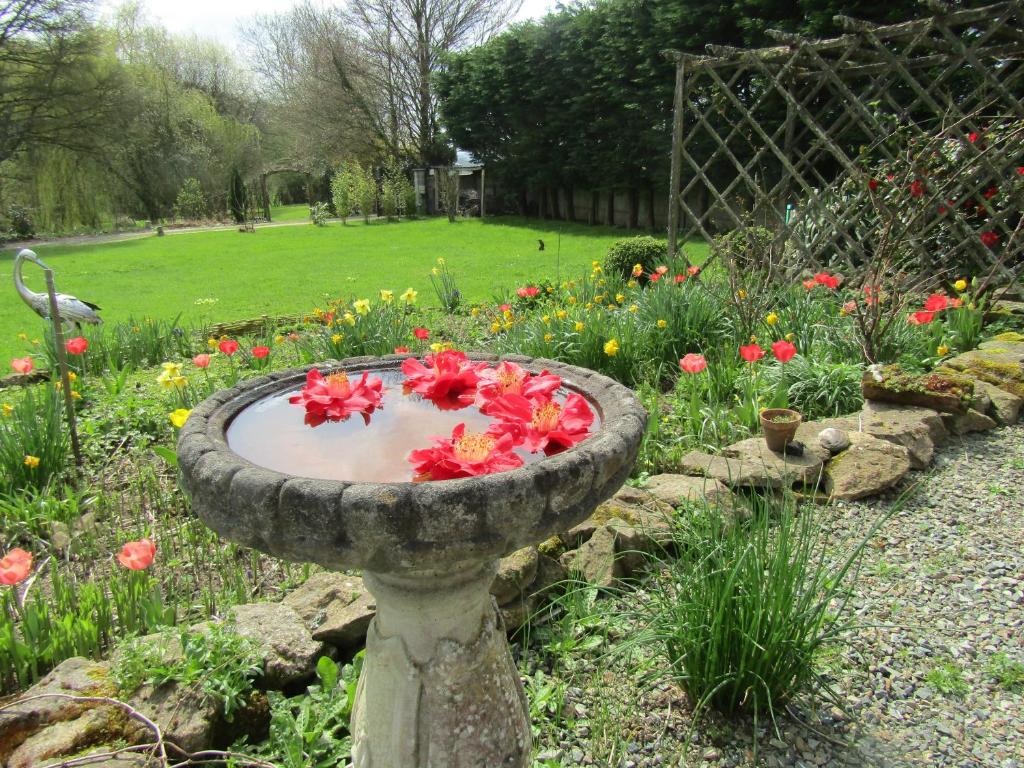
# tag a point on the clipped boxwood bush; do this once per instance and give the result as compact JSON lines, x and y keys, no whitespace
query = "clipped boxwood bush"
{"x":644,"y":250}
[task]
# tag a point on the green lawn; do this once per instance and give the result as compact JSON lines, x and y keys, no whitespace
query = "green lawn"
{"x":229,"y":275}
{"x":280,"y":214}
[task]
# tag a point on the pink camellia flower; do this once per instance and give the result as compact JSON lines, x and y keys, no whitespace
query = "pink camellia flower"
{"x":509,"y":378}
{"x":936,"y":303}
{"x":137,"y":555}
{"x":201,"y":360}
{"x":989,"y":239}
{"x":15,"y":566}
{"x":464,"y":455}
{"x":917,"y":188}
{"x":260,"y":352}
{"x":77,"y":345}
{"x":22,"y":365}
{"x":228,"y":347}
{"x":829,"y":281}
{"x":542,"y":424}
{"x":693,"y":363}
{"x":335,"y":397}
{"x":401,"y":350}
{"x":448,"y":379}
{"x":421,"y":333}
{"x":921,"y":318}
{"x":784,"y":351}
{"x":751,"y":353}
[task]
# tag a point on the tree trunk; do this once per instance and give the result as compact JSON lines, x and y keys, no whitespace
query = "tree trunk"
{"x":594,"y":201}
{"x":634,"y":208}
{"x":555,"y":209}
{"x":650,"y":209}
{"x":524,"y":204}
{"x":264,"y":196}
{"x":609,"y":214}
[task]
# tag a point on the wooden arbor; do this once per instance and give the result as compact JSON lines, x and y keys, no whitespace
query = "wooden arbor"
{"x":828,"y":142}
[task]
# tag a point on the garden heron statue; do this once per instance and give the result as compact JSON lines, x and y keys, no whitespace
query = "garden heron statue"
{"x":72,"y":311}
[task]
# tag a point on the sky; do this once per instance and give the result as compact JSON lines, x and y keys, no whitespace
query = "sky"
{"x":219,"y":19}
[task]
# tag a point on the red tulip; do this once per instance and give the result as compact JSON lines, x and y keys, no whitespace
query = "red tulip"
{"x":824,"y":278}
{"x":654,"y":277}
{"x":421,"y":333}
{"x":936,"y":303}
{"x":751,"y":353}
{"x":22,"y":365}
{"x":679,"y":279}
{"x":137,"y":555}
{"x":809,"y":284}
{"x":201,"y":361}
{"x":873,"y":184}
{"x":260,"y":352}
{"x":15,"y":566}
{"x":693,"y":363}
{"x":921,"y":318}
{"x":989,"y":239}
{"x":661,"y":270}
{"x":693,"y":270}
{"x":464,"y":455}
{"x":401,"y":350}
{"x":956,"y":303}
{"x":77,"y":345}
{"x":504,"y":307}
{"x":228,"y":347}
{"x":784,"y":351}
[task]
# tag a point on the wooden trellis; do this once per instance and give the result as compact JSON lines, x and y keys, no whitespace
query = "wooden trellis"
{"x":912,"y":131}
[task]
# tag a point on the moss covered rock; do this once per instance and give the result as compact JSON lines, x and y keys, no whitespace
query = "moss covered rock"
{"x":945,"y":392}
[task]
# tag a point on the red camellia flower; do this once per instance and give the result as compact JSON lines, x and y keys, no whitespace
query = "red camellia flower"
{"x":989,"y":239}
{"x":77,"y":345}
{"x":917,"y":188}
{"x":421,"y":333}
{"x":260,"y":352}
{"x":784,"y":351}
{"x":751,"y":353}
{"x":943,"y":210}
{"x":991,"y":192}
{"x":401,"y":350}
{"x":542,"y":424}
{"x":464,"y":455}
{"x":509,"y":378}
{"x":693,"y":363}
{"x":809,"y":284}
{"x":201,"y":361}
{"x":921,"y":318}
{"x":228,"y":347}
{"x":137,"y":555}
{"x":829,"y":281}
{"x":872,"y":184}
{"x":335,"y":398}
{"x":936,"y":303}
{"x":448,"y":379}
{"x":22,"y":365}
{"x":15,"y":566}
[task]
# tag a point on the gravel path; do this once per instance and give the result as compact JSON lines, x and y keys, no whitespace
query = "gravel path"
{"x":924,"y":682}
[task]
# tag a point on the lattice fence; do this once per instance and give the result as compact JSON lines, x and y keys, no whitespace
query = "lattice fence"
{"x":907,"y":137}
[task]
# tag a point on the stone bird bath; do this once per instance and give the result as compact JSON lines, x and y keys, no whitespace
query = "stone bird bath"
{"x":438,"y":688}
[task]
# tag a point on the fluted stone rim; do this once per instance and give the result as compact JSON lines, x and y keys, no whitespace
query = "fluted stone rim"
{"x":400,"y":526}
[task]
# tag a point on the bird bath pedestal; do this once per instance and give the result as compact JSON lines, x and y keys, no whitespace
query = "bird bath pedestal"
{"x":438,"y":688}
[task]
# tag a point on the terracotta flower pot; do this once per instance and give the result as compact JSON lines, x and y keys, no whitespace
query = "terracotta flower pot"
{"x":779,"y":425}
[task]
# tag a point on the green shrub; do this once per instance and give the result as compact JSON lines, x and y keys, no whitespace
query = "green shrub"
{"x":817,"y":388}
{"x":319,"y":213}
{"x":746,"y":247}
{"x":191,"y":202}
{"x":647,"y":251}
{"x":18,"y":222}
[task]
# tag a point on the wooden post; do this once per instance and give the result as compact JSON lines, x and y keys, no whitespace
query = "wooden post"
{"x":675,"y":181}
{"x":62,"y":364}
{"x":482,"y":195}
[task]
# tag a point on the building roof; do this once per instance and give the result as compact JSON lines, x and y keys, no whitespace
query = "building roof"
{"x":465,"y":161}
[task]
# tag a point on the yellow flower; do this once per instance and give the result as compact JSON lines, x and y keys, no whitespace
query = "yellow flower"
{"x":441,"y":261}
{"x":435,"y":271}
{"x":211,"y":343}
{"x":960,"y":285}
{"x":76,"y":395}
{"x":279,"y":339}
{"x":632,"y":284}
{"x":336,"y":338}
{"x":546,"y":319}
{"x":634,"y":308}
{"x":72,"y":376}
{"x":386,"y":296}
{"x":579,"y":327}
{"x":611,"y":347}
{"x":550,"y":289}
{"x":22,"y":337}
{"x":508,"y":325}
{"x":36,"y":342}
{"x":495,"y":326}
{"x":595,"y":265}
{"x":168,"y":376}
{"x":8,"y":409}
{"x":600,"y":282}
{"x":409,"y":296}
{"x":561,"y":314}
{"x":571,"y":299}
{"x":598,"y":299}
{"x":179,"y":417}
{"x":619,"y":298}
{"x":362,"y":306}
{"x":31,"y":461}
{"x":474,"y":312}
{"x":638,"y":269}
{"x":790,"y":336}
{"x":942,"y":351}
{"x":548,"y":337}
{"x":178,"y":382}
{"x":588,"y":305}
{"x":662,"y":323}
{"x":349,"y":318}
{"x":772,"y":318}
{"x":741,"y":294}
{"x":136,"y":329}
{"x":440,"y":346}
{"x":507,"y":314}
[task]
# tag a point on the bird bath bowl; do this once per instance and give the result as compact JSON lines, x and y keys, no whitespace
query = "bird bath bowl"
{"x":438,"y":688}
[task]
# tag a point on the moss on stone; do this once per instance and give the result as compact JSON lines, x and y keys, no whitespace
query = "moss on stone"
{"x":895,"y":379}
{"x":1011,"y":336}
{"x":552,"y":547}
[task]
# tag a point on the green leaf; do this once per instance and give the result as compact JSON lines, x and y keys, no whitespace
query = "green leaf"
{"x":327,"y":671}
{"x":167,"y":454}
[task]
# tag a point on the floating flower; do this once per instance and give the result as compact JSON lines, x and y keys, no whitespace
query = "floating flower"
{"x":542,"y":424}
{"x":511,"y":379}
{"x":936,"y":302}
{"x":960,"y":285}
{"x":409,"y":296}
{"x":335,"y":398}
{"x":693,"y":363}
{"x":611,"y":347}
{"x":829,"y":281}
{"x":32,"y":462}
{"x":751,"y":353}
{"x":137,"y":555}
{"x":989,"y":239}
{"x":448,"y":378}
{"x":784,"y":351}
{"x":387,"y":296}
{"x":179,"y":417}
{"x":771,"y":318}
{"x":921,"y":318}
{"x":228,"y":346}
{"x":15,"y":566}
{"x":203,"y":360}
{"x":77,"y":345}
{"x":421,"y":333}
{"x":22,"y":365}
{"x":464,"y":455}
{"x":260,"y":352}
{"x":362,"y":306}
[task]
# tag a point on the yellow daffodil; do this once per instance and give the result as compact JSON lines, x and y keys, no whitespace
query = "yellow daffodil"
{"x":474,"y":312}
{"x":435,"y":272}
{"x":634,"y":308}
{"x":632,"y":284}
{"x":662,"y":324}
{"x":588,"y":305}
{"x":440,"y":261}
{"x":598,"y":299}
{"x":440,"y":346}
{"x":362,"y":306}
{"x":507,"y":314}
{"x":508,"y":325}
{"x":572,"y":299}
{"x":546,"y":319}
{"x":619,"y":298}
{"x":336,"y":338}
{"x":600,"y":283}
{"x":386,"y":296}
{"x":960,"y":285}
{"x":638,"y":269}
{"x":279,"y":339}
{"x":611,"y":347}
{"x":211,"y":343}
{"x":561,"y":314}
{"x":579,"y":327}
{"x":170,"y":372}
{"x":72,"y":376}
{"x":8,"y":409}
{"x":942,"y":351}
{"x":550,"y":289}
{"x":495,"y":326}
{"x":36,"y":342}
{"x":179,"y":417}
{"x":31,"y":461}
{"x":409,"y":296}
{"x":790,"y":336}
{"x":76,"y":395}
{"x":549,"y":337}
{"x":772,"y":318}
{"x":349,"y":318}
{"x":22,"y":337}
{"x":741,"y":294}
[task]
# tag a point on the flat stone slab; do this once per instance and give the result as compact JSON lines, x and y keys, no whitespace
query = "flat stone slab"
{"x":998,"y":361}
{"x":595,"y":560}
{"x":750,"y":463}
{"x":515,"y":574}
{"x":972,"y":421}
{"x":919,"y":430}
{"x":678,"y":490}
{"x":1004,"y":406}
{"x":320,"y":591}
{"x":289,"y":652}
{"x":345,"y":623}
{"x":868,"y":467}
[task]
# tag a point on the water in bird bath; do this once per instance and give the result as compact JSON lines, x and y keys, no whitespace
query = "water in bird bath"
{"x":271,"y":433}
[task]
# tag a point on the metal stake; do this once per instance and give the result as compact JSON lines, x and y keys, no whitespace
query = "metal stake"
{"x":62,"y":364}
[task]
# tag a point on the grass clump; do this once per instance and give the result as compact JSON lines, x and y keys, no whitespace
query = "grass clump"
{"x":947,"y":678}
